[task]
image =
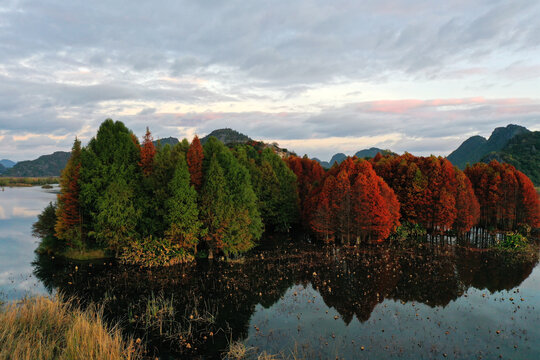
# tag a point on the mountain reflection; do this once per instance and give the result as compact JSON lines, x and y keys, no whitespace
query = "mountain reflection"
{"x":349,"y":280}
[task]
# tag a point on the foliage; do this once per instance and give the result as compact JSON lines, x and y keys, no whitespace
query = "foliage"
{"x":275,"y":186}
{"x":182,"y":212}
{"x":69,"y":223}
{"x":513,"y":241}
{"x":110,"y":176}
{"x":155,"y":190}
{"x":353,"y":205}
{"x":240,"y":225}
{"x":507,"y":197}
{"x":148,"y":151}
{"x":44,"y":226}
{"x":195,"y":156}
{"x":431,"y":192}
{"x":309,"y":173}
{"x":408,"y":233}
{"x":216,"y":207}
{"x":43,"y":229}
{"x":117,"y":218}
{"x":150,"y":252}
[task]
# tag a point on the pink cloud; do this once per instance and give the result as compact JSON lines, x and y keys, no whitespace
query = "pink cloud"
{"x":410,"y":105}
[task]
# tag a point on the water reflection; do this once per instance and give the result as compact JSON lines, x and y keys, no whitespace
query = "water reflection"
{"x":288,"y":288}
{"x":19,"y":208}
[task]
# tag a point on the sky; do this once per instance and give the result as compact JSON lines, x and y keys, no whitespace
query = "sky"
{"x":318,"y":77}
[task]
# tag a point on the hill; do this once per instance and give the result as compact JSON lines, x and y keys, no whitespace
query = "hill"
{"x":2,"y":168}
{"x":226,"y":136}
{"x":522,"y":151}
{"x":362,"y":154}
{"x":46,"y":165}
{"x":475,"y":148}
{"x":166,"y":141}
{"x":324,"y":164}
{"x":7,"y":163}
{"x":371,"y":152}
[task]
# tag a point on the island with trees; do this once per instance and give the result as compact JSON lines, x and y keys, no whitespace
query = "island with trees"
{"x":155,"y":205}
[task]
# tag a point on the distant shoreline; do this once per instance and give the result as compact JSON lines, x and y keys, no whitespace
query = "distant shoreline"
{"x":28,"y":181}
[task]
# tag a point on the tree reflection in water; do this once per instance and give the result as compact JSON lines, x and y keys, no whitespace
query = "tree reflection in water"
{"x":198,"y":308}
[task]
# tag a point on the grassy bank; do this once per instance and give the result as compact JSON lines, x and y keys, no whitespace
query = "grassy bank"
{"x":43,"y":328}
{"x":27,"y":181}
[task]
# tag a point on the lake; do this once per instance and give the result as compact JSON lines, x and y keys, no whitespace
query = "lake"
{"x":291,"y":297}
{"x":19,"y":208}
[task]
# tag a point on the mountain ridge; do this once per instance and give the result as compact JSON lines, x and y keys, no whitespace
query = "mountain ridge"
{"x":45,"y":165}
{"x":7,"y":163}
{"x":477,"y":147}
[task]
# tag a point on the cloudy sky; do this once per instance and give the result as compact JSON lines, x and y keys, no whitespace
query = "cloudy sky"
{"x":318,"y":77}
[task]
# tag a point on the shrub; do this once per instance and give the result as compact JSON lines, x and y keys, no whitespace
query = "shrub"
{"x":408,"y":231}
{"x":150,"y":252}
{"x":513,"y":241}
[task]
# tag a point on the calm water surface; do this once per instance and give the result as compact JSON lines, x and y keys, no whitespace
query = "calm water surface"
{"x":320,"y":303}
{"x":19,"y":208}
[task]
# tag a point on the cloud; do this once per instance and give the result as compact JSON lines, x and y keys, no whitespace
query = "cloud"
{"x":286,"y":70}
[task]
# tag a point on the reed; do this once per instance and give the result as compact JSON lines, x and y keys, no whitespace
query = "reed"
{"x":50,"y":328}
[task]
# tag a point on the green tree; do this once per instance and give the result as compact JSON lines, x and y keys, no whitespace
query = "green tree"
{"x":274,"y":184}
{"x":216,"y":207}
{"x":117,"y":217}
{"x":111,"y":157}
{"x":287,"y":200}
{"x":247,"y":225}
{"x":182,"y":217}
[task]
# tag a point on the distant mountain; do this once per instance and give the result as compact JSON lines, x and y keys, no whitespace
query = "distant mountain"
{"x":46,"y":165}
{"x":522,"y":151}
{"x":324,"y":164}
{"x":371,"y":152}
{"x":226,"y":136}
{"x":7,"y":163}
{"x":362,"y":154}
{"x":337,"y":158}
{"x":475,"y":148}
{"x":166,"y":141}
{"x":2,"y":168}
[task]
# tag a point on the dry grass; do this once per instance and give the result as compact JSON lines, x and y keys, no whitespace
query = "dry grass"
{"x":238,"y":351}
{"x":43,"y":328}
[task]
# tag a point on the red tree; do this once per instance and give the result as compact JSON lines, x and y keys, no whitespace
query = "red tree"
{"x":467,"y":206}
{"x":353,"y":204}
{"x":309,"y":174}
{"x":195,"y":157}
{"x":507,"y":196}
{"x":529,"y":209}
{"x":68,"y":222}
{"x":431,"y":191}
{"x":148,"y":151}
{"x":320,"y":214}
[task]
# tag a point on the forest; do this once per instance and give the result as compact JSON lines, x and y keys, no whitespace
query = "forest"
{"x":161,"y":205}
